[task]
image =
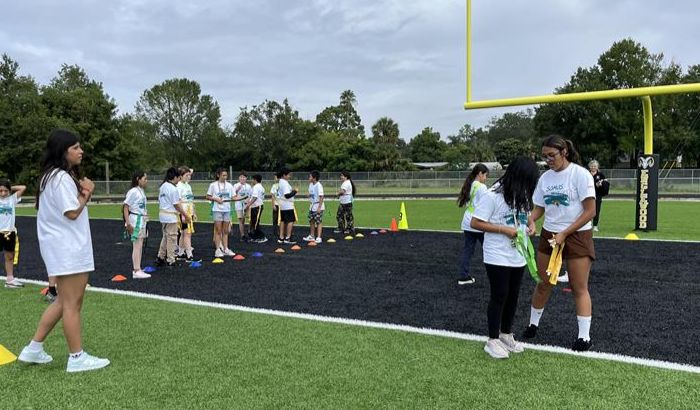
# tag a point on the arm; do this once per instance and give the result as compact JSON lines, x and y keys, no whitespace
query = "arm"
{"x":320,"y":201}
{"x":484,"y":226}
{"x":181,"y":209}
{"x":587,"y":214}
{"x":125,"y":215}
{"x":534,"y":216}
{"x":18,"y":190}
{"x":86,"y":189}
{"x":291,"y":194}
{"x":214,"y":199}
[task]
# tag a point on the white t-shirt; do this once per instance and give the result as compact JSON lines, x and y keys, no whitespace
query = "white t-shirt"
{"x":136,"y":201}
{"x":7,"y":212}
{"x":477,"y":190}
{"x":498,"y":248}
{"x":223,"y":190}
{"x":186,"y":196}
{"x":561,"y":195}
{"x":273,"y":192}
{"x":167,"y":198}
{"x":259,"y":195}
{"x":315,"y":194}
{"x":346,"y":187}
{"x":285,"y":204}
{"x":65,"y":244}
{"x":242,"y":190}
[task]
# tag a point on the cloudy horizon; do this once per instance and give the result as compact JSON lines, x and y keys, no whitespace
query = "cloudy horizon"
{"x":403,"y":60}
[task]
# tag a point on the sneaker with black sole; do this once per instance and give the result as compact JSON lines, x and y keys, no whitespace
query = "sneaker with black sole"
{"x":289,"y":241}
{"x":261,"y":240}
{"x":192,"y":258}
{"x":466,"y":281}
{"x":581,"y":345}
{"x":530,"y":332}
{"x":181,"y":257}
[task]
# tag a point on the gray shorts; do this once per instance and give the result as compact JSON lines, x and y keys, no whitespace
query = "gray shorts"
{"x":220,"y":216}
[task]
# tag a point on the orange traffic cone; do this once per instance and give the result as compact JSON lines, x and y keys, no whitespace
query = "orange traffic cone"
{"x":394,"y":227}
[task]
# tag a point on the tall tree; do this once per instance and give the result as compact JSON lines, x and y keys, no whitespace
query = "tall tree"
{"x":342,"y":118}
{"x":385,"y":137}
{"x":427,"y":146}
{"x":180,"y":117}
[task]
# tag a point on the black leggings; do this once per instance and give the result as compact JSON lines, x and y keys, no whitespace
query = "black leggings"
{"x":505,"y":287}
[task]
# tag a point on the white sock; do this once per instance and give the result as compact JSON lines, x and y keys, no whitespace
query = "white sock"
{"x":76,"y":355}
{"x":584,"y":327}
{"x":36,"y":346}
{"x":535,"y":315}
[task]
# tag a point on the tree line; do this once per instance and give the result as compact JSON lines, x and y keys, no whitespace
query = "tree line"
{"x":175,"y":123}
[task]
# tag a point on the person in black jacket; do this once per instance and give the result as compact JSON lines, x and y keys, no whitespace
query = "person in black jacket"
{"x":602,"y":187}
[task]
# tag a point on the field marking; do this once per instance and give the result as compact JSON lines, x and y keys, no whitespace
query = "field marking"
{"x":661,"y":364}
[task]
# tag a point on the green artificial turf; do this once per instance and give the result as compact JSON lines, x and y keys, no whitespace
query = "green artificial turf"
{"x":168,"y":355}
{"x":678,"y":220}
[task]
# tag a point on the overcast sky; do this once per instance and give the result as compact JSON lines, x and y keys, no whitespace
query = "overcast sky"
{"x":403,"y":59}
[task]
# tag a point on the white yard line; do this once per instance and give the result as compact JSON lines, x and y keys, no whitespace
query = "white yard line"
{"x":390,"y":326}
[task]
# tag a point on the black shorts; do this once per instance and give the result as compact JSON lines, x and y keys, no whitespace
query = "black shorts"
{"x":288,"y":215}
{"x":8,"y":241}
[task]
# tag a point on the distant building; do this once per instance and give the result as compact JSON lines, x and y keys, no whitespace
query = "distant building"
{"x":430,"y":165}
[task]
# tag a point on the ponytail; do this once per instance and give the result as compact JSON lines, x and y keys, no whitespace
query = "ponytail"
{"x":346,"y":174}
{"x":465,"y":193}
{"x":558,"y":142}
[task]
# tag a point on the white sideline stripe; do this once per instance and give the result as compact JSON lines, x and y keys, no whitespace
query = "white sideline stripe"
{"x":661,"y":364}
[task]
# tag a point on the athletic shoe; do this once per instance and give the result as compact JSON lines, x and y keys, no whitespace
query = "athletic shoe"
{"x":229,"y":252}
{"x":510,"y":343}
{"x":581,"y":345}
{"x":139,"y":274}
{"x":495,"y":349}
{"x":530,"y":332}
{"x":85,"y":362}
{"x":261,"y":240}
{"x":318,"y":240}
{"x":191,"y":259}
{"x":308,"y":238}
{"x":595,"y":229}
{"x":14,"y":284}
{"x":289,"y":241}
{"x":337,"y":231}
{"x":219,"y":253}
{"x":159,"y":262}
{"x":181,"y":256}
{"x":48,"y":297}
{"x":280,"y":240}
{"x":466,"y":281}
{"x":564,"y":278}
{"x":31,"y":356}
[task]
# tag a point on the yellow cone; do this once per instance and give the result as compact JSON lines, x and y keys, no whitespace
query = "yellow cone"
{"x":359,"y":235}
{"x":330,"y":240}
{"x":217,"y":260}
{"x":348,"y":238}
{"x":632,"y":237}
{"x":403,"y":218}
{"x":6,"y":356}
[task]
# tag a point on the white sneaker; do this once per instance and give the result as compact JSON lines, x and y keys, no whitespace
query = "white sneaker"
{"x":14,"y":284}
{"x":85,"y":362}
{"x":595,"y":229}
{"x":318,"y":240}
{"x":510,"y":343}
{"x":31,"y":356}
{"x":219,"y":253}
{"x":564,"y":278}
{"x":308,"y":238}
{"x":229,"y":252}
{"x":139,"y":274}
{"x":495,"y":349}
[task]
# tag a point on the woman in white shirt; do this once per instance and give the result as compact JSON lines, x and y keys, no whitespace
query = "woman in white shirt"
{"x":65,"y":242}
{"x":344,"y":216}
{"x":474,"y":186}
{"x":220,"y":193}
{"x":500,"y":214}
{"x":565,"y":195}
{"x":135,"y":216}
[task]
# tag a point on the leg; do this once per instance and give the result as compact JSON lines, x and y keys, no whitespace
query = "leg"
{"x":290,"y":226}
{"x":50,"y":317}
{"x":9,"y":265}
{"x":275,"y":220}
{"x":72,"y":292}
{"x":515,"y":276}
{"x":241,"y":226}
{"x":339,"y":217}
{"x":163,"y":248}
{"x":498,"y":279}
{"x":470,"y":239}
{"x":598,"y":204}
{"x":579,"y":270}
{"x":218,"y":227}
{"x":171,"y":232}
{"x":136,"y":253}
{"x":225,"y":232}
{"x":319,"y":229}
{"x":350,"y":219}
{"x":543,"y":289}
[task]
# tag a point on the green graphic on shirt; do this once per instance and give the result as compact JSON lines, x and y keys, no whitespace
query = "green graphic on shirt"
{"x":5,"y":211}
{"x":556,"y":199}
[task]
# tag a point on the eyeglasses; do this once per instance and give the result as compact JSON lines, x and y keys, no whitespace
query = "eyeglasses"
{"x":550,"y":157}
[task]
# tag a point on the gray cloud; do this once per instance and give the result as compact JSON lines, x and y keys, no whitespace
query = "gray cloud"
{"x":403,"y":59}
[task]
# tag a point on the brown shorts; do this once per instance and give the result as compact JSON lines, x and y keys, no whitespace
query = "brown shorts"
{"x":578,"y":244}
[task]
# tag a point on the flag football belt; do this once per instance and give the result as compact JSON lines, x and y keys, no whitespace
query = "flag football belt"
{"x":555,"y":261}
{"x":524,"y":246}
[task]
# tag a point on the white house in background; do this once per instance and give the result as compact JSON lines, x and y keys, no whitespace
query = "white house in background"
{"x":429,"y":165}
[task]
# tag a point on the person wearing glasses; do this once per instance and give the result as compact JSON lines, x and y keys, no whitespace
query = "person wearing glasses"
{"x":565,"y":195}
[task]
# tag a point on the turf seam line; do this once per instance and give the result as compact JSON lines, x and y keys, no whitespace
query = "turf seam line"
{"x":661,"y":364}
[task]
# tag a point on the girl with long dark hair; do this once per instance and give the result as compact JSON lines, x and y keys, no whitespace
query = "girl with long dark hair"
{"x":500,"y":214}
{"x":135,"y":215}
{"x":474,"y":186}
{"x":65,"y":242}
{"x":346,"y":195}
{"x":565,"y":195}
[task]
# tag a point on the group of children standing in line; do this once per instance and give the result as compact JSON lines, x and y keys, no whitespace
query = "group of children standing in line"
{"x":565,"y":195}
{"x":177,"y":212}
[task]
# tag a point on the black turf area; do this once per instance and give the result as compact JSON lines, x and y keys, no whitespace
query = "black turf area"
{"x":646,"y":295}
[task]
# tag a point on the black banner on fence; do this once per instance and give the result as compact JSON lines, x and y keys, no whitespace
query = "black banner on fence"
{"x":647,"y":192}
